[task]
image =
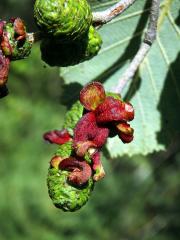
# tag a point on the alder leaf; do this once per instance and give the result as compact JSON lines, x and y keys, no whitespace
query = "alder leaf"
{"x":155,"y":90}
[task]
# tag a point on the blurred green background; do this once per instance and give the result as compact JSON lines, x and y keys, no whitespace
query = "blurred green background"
{"x":138,"y":199}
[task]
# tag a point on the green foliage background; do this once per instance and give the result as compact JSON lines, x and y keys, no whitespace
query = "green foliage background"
{"x":138,"y":199}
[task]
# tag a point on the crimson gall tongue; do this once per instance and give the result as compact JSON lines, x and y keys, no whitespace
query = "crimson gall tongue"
{"x":80,"y":170}
{"x":92,"y":95}
{"x":88,"y":134}
{"x":19,"y":28}
{"x":57,"y":137}
{"x":125,"y":132}
{"x":114,"y":110}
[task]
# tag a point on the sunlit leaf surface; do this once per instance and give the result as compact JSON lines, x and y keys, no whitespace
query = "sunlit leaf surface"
{"x":155,"y":90}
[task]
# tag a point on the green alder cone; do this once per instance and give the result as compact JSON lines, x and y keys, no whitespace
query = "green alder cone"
{"x":63,"y":55}
{"x":19,"y":49}
{"x":65,"y":150}
{"x":63,"y":194}
{"x":65,"y":20}
{"x":73,"y":116}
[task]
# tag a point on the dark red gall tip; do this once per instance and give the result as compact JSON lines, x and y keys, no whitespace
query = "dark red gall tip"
{"x":109,"y":110}
{"x":125,"y":138}
{"x":82,"y":147}
{"x":12,"y":19}
{"x":80,"y":170}
{"x":125,"y":132}
{"x":97,"y":166}
{"x":5,"y":45}
{"x":19,"y":28}
{"x":125,"y":128}
{"x":55,"y":161}
{"x":57,"y":137}
{"x":114,"y":110}
{"x":4,"y":69}
{"x":128,"y":111}
{"x":88,"y":132}
{"x":92,"y":95}
{"x":1,"y":28}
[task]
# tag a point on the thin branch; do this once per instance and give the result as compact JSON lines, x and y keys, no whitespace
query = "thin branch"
{"x":100,"y":18}
{"x":34,"y":36}
{"x":149,"y":38}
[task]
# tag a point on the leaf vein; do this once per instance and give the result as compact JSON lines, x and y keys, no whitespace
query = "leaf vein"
{"x":153,"y":83}
{"x":175,"y":27}
{"x":118,"y":43}
{"x":141,"y":110}
{"x":167,"y":61}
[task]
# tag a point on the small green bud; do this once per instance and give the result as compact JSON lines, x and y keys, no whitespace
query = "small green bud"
{"x":63,"y":55}
{"x":94,"y":43}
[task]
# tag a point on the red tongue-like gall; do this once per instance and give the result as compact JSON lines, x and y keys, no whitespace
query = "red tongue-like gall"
{"x":58,"y":137}
{"x":80,"y":170}
{"x":114,"y":110}
{"x":92,"y":95}
{"x":19,"y":28}
{"x":125,"y":132}
{"x":88,"y":134}
{"x":97,"y":167}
